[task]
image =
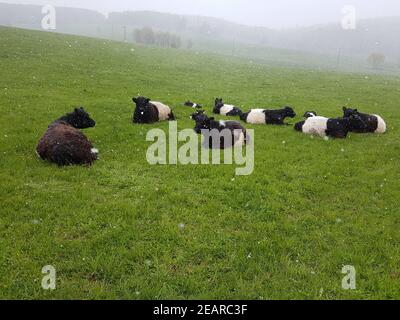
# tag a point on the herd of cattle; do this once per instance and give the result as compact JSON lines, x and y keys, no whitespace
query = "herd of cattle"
{"x":64,"y":144}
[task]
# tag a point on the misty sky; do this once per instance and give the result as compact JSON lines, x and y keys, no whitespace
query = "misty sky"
{"x":269,"y":13}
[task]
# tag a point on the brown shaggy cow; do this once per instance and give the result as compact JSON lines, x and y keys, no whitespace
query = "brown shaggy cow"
{"x":64,"y":144}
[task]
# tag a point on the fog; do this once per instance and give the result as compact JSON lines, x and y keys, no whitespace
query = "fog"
{"x":267,"y":13}
{"x":304,"y":33}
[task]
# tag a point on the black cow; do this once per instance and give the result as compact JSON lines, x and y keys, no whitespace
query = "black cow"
{"x":364,"y":123}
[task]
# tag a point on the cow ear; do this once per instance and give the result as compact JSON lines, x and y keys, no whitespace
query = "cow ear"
{"x":356,"y":110}
{"x":147,"y":100}
{"x":134,"y":100}
{"x":344,"y":109}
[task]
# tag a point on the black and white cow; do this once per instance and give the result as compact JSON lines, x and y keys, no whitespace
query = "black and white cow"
{"x":209,"y":126}
{"x":364,"y":123}
{"x":199,"y":116}
{"x":310,"y":114}
{"x":151,"y":111}
{"x":225,"y":109}
{"x":262,"y":116}
{"x":192,"y":105}
{"x":324,"y":127}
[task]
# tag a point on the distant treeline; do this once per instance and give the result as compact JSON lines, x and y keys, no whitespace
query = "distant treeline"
{"x":148,"y":36}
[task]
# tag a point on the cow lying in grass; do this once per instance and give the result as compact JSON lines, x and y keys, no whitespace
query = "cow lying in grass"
{"x":64,"y":144}
{"x":199,"y":116}
{"x":226,"y":109}
{"x":261,"y":116}
{"x":220,"y":134}
{"x":192,"y":105}
{"x":150,"y":111}
{"x":364,"y":123}
{"x":324,"y":127}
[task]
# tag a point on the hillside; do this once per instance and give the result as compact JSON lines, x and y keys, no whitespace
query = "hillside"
{"x":30,"y":17}
{"x":128,"y":230}
{"x":328,"y":46}
{"x":371,"y":35}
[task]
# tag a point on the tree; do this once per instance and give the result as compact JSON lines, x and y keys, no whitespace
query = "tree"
{"x":175,"y":42}
{"x":161,"y":39}
{"x":189,"y":45}
{"x":145,"y":36}
{"x":376,"y":60}
{"x":148,"y":35}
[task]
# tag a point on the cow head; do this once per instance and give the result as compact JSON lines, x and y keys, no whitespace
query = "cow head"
{"x":289,"y":112}
{"x":310,"y":114}
{"x":219,"y":103}
{"x":79,"y":119}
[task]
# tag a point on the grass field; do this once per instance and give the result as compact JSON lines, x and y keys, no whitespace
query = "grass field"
{"x":112,"y":230}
